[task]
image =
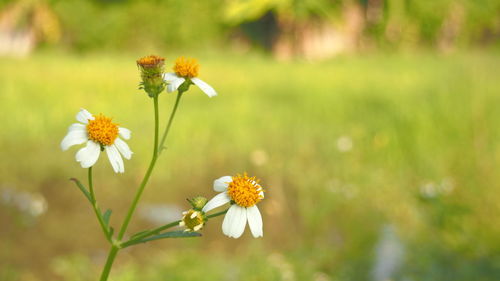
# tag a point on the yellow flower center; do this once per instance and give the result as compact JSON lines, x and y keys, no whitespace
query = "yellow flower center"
{"x":102,"y":130}
{"x":150,"y":61}
{"x":186,"y":67}
{"x":245,"y":191}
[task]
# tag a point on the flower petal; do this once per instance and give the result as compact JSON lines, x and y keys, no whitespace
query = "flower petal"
{"x":83,"y":116}
{"x":218,"y":200}
{"x":174,"y":84}
{"x":228,"y":219}
{"x":237,"y":226}
{"x":207,"y":89}
{"x":169,"y":77}
{"x":88,"y":155}
{"x":124,"y":133}
{"x":123,"y":148}
{"x":115,"y":159}
{"x":222,"y":183}
{"x":255,"y":221}
{"x":73,"y":137}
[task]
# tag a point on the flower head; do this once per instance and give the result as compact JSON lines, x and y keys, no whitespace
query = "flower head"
{"x":184,"y":67}
{"x":152,"y":70}
{"x":185,"y":73}
{"x":192,"y":220}
{"x":244,"y":193}
{"x":101,"y":134}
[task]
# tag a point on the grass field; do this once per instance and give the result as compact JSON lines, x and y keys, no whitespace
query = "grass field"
{"x":376,"y":166}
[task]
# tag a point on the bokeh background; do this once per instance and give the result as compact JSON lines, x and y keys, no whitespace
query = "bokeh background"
{"x":373,"y":125}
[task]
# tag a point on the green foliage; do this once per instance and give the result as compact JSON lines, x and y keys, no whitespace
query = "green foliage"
{"x":343,"y":148}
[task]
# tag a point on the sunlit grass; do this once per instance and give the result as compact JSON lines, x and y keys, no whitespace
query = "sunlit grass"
{"x":343,"y":147}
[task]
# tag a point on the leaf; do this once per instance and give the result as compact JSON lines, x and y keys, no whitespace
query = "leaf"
{"x":106,"y":216}
{"x":172,"y":234}
{"x":82,"y":188}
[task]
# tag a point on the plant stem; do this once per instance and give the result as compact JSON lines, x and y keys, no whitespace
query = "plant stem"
{"x":217,"y":214}
{"x":96,"y":207}
{"x":161,"y":228}
{"x":109,"y":262}
{"x":149,"y":233}
{"x":146,"y":176}
{"x":169,"y":124}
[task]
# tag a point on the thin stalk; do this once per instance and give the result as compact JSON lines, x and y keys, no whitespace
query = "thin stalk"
{"x":170,"y":119}
{"x":96,"y":207}
{"x":217,"y":214}
{"x":146,"y":176}
{"x":109,"y":262}
{"x":116,"y":247}
{"x":161,"y":228}
{"x":149,"y":233}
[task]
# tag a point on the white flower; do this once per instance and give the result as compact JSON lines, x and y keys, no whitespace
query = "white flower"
{"x":100,"y":134}
{"x":186,"y":69}
{"x":245,"y":193}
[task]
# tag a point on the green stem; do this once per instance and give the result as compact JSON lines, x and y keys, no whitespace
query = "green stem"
{"x":96,"y":207}
{"x":169,"y":124}
{"x":109,"y":262}
{"x":217,"y":214}
{"x":146,"y":176}
{"x":161,"y":228}
{"x":149,"y":233}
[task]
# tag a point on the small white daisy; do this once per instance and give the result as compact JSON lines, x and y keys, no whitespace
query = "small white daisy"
{"x":244,"y":193}
{"x":186,"y":70}
{"x":100,"y":134}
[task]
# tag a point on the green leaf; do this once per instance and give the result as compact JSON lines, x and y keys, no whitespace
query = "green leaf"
{"x":82,"y":188}
{"x":172,"y":234}
{"x":106,"y":216}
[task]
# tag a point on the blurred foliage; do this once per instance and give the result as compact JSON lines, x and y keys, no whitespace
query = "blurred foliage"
{"x":149,"y":24}
{"x":344,"y":147}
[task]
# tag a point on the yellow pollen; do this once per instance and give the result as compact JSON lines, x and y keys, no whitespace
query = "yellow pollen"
{"x":245,"y":191}
{"x":102,"y":130}
{"x":186,"y":67}
{"x":150,"y":61}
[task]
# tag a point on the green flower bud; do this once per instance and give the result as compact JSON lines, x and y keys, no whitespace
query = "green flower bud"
{"x":198,"y":202}
{"x":193,"y":220}
{"x":152,"y":70}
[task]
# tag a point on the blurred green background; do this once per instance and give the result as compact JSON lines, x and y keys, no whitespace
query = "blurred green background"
{"x":372,"y":124}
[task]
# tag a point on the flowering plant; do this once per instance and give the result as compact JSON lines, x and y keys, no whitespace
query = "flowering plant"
{"x":99,"y":133}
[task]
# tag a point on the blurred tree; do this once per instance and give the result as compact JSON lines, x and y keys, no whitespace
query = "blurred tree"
{"x":25,"y":23}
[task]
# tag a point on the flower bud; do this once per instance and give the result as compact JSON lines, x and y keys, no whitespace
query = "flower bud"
{"x":152,"y":70}
{"x":192,"y":220}
{"x":198,"y":202}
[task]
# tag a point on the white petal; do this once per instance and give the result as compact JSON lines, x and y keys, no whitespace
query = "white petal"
{"x":174,"y":84}
{"x":218,"y":200}
{"x":222,"y":183}
{"x":73,"y":137}
{"x":77,"y":127}
{"x":237,"y":226}
{"x":88,"y":155}
{"x":124,"y":133}
{"x":83,"y":116}
{"x":255,"y":221}
{"x":115,"y":159}
{"x":123,"y":148}
{"x":261,"y":193}
{"x":228,"y":219}
{"x":207,"y":89}
{"x":169,"y":77}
